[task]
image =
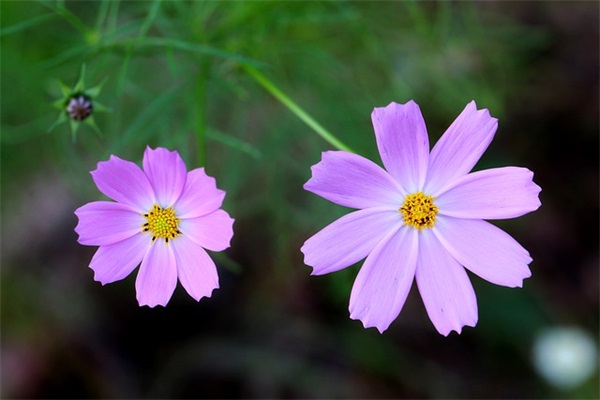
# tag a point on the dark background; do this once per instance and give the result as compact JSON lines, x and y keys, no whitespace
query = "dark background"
{"x":271,"y":330}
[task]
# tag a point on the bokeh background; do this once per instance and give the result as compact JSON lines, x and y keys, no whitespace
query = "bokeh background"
{"x":174,"y":70}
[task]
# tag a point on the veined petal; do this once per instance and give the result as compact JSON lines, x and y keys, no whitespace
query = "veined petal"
{"x":167,"y":174}
{"x":444,"y":286}
{"x":125,"y":182}
{"x":200,"y":195}
{"x":484,"y":249}
{"x":157,"y":276}
{"x":403,"y":143}
{"x":104,"y":222}
{"x":383,"y":282}
{"x":491,"y":194}
{"x":115,"y":261}
{"x":213,"y":231}
{"x":460,"y":147}
{"x":196,"y":270}
{"x":348,"y":239}
{"x":353,"y":181}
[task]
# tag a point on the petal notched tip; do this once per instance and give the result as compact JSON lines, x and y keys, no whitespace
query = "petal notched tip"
{"x":208,"y":295}
{"x":327,"y":157}
{"x":394,"y":105}
{"x":366,"y":322}
{"x":160,"y":150}
{"x":152,"y":305}
{"x":97,"y":278}
{"x":483,"y":112}
{"x":446,"y":330}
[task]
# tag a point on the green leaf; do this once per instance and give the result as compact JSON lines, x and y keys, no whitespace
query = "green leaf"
{"x":91,"y":122}
{"x":95,"y":91}
{"x":234,"y":143}
{"x":74,"y":127}
{"x":25,"y":24}
{"x":61,"y":119}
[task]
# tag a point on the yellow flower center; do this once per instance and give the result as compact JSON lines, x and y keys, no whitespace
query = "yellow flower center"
{"x":162,"y":223}
{"x":419,"y":211}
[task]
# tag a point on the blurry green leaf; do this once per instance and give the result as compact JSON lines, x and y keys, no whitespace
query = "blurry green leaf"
{"x":295,"y":108}
{"x":25,"y":24}
{"x":70,"y":54}
{"x":135,"y":132}
{"x":234,"y":143}
{"x":194,"y":48}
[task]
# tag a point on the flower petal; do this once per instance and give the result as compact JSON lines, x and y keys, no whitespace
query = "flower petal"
{"x":213,"y":231}
{"x":167,"y":174}
{"x":104,"y":222}
{"x":460,"y":147}
{"x":200,"y":195}
{"x":348,"y":239}
{"x":484,"y":250}
{"x":491,"y":194}
{"x":196,"y":270}
{"x":444,"y":286}
{"x":383,"y":282}
{"x":125,"y":182}
{"x":403,"y":143}
{"x":353,"y":181}
{"x":115,"y":261}
{"x":157,"y":276}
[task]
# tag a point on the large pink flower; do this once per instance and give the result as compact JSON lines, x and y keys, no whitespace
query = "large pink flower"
{"x":164,"y":217}
{"x":423,"y":218}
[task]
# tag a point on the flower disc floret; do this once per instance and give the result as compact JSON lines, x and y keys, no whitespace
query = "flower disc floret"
{"x":419,"y":210}
{"x":79,"y":107}
{"x":162,"y":222}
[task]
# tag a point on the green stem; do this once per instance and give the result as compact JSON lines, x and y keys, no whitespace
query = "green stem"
{"x":148,"y":21}
{"x":295,"y":108}
{"x":201,"y":91}
{"x":72,"y":19}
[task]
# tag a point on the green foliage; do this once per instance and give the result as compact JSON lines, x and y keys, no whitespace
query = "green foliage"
{"x":200,"y":77}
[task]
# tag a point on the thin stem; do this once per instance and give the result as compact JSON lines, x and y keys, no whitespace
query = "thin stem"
{"x":201,"y":91}
{"x":295,"y":108}
{"x":72,"y":18}
{"x":102,"y":14}
{"x":148,"y":21}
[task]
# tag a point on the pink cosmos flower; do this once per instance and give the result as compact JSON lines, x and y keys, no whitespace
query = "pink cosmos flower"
{"x":421,"y":218}
{"x":164,"y":217}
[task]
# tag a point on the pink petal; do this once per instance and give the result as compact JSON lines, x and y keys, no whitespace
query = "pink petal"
{"x":491,"y":194}
{"x":125,"y":182}
{"x":444,"y":286}
{"x":403,"y":143}
{"x":196,"y":270}
{"x":114,"y":262}
{"x":353,"y":181}
{"x":383,"y":282}
{"x":348,"y":239}
{"x":167,"y":174}
{"x":461,"y":146}
{"x":104,"y":222}
{"x":213,"y":231}
{"x":157,"y":276}
{"x":484,"y":250}
{"x":200,"y":195}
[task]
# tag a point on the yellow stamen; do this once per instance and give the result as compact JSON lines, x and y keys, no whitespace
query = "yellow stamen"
{"x":419,"y":211}
{"x":162,"y":223}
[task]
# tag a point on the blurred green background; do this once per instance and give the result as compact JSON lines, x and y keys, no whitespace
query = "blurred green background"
{"x":173,"y":71}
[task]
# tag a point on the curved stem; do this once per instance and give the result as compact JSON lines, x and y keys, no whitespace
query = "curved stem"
{"x":295,"y":108}
{"x":201,"y":91}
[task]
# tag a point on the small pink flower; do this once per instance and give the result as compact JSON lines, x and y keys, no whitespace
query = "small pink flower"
{"x":423,"y":218}
{"x":164,"y":217}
